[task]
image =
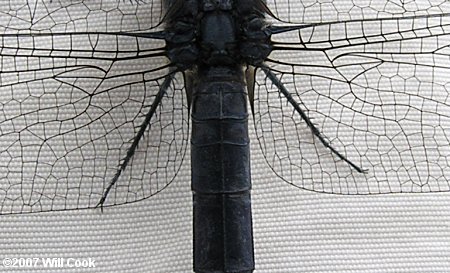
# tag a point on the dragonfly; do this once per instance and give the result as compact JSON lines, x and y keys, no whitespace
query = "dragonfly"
{"x":94,"y":116}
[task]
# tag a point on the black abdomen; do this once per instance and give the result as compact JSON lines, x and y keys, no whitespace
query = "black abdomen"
{"x":221,"y":183}
{"x":220,"y":143}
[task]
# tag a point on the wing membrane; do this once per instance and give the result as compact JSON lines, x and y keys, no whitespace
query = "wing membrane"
{"x":312,"y":11}
{"x":71,"y":104}
{"x":79,"y":15}
{"x":378,"y":94}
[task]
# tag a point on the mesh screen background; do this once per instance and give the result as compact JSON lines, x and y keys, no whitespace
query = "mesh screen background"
{"x":294,"y":231}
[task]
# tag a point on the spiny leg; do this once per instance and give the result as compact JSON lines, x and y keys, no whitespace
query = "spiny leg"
{"x":132,"y":149}
{"x":273,"y":78}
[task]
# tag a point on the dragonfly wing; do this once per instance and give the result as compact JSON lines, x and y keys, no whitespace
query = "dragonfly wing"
{"x":80,"y":15}
{"x":380,"y":97}
{"x":299,"y":12}
{"x":71,"y":104}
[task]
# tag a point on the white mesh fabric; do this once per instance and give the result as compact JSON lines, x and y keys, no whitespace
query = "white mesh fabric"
{"x":294,"y":231}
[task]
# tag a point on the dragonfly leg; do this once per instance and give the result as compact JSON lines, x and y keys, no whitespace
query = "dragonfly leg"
{"x":132,"y":149}
{"x":273,"y":78}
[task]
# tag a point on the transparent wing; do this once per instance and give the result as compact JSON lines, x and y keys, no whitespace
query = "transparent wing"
{"x":80,"y":15}
{"x":377,"y":90}
{"x":314,"y":11}
{"x":70,"y":107}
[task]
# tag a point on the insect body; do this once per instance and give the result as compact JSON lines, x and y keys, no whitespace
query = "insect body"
{"x":214,"y":41}
{"x":62,"y":97}
{"x":215,"y":49}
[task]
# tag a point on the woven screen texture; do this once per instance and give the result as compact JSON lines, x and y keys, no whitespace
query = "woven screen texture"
{"x":295,"y":231}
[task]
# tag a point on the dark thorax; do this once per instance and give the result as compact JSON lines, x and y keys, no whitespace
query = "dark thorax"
{"x":211,"y":33}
